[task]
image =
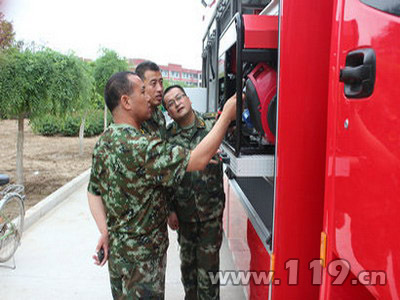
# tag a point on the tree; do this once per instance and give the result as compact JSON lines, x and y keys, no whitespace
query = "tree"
{"x":106,"y":65}
{"x":33,"y":83}
{"x":21,"y":87}
{"x":6,"y":33}
{"x":87,"y":99}
{"x":74,"y":73}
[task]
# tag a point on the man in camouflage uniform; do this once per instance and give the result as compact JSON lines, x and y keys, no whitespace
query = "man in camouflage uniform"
{"x":129,"y":170}
{"x":150,"y":73}
{"x":198,"y":202}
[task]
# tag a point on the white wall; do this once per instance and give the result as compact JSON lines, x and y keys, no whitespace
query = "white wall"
{"x":198,"y":96}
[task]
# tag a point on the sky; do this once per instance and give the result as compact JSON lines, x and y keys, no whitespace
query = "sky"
{"x":165,"y":31}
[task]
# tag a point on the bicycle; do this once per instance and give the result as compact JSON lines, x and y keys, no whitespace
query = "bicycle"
{"x":12,"y":212}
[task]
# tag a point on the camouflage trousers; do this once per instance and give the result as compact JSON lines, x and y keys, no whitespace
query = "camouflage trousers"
{"x":139,"y":280}
{"x":137,"y":266}
{"x":200,"y":243}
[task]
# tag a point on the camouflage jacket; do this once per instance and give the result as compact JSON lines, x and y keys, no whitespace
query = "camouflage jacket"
{"x":130,"y":171}
{"x":200,"y":196}
{"x":156,"y":125}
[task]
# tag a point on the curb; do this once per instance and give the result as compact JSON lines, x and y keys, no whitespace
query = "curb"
{"x":43,"y":207}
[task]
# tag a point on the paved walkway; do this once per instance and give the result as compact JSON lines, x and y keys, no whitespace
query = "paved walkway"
{"x":54,"y":259}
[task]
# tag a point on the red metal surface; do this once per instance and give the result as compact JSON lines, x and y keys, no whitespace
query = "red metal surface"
{"x":259,"y":262}
{"x":301,"y":140}
{"x":363,"y":161}
{"x":260,"y":32}
{"x":236,"y":231}
{"x":249,"y":254}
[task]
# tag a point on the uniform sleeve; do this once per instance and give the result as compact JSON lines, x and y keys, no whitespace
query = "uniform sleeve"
{"x":94,"y":181}
{"x":165,"y":164}
{"x":169,"y":195}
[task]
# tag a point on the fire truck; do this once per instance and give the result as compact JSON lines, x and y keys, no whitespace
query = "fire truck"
{"x":312,"y":167}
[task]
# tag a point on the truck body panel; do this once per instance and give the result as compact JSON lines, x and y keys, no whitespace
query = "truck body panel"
{"x":363,"y":155}
{"x":325,"y":220}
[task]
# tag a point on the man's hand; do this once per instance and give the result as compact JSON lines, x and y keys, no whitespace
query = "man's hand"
{"x":230,"y":108}
{"x":213,"y":162}
{"x":102,"y":243}
{"x":173,"y":221}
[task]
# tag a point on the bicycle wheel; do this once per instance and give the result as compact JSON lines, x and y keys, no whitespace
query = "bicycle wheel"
{"x":11,"y":225}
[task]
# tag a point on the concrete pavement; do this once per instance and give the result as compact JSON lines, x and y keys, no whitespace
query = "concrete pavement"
{"x":54,"y":259}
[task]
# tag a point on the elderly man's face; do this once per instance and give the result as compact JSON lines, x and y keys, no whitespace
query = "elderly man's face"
{"x":139,"y":100}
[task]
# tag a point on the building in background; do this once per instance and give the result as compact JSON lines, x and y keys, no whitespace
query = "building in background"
{"x":174,"y":73}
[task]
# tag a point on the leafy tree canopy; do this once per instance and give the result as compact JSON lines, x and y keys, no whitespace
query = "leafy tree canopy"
{"x":6,"y":33}
{"x":36,"y":82}
{"x":106,"y":65}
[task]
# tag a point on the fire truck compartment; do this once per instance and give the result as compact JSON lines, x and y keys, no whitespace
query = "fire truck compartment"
{"x":256,"y":195}
{"x":260,"y":165}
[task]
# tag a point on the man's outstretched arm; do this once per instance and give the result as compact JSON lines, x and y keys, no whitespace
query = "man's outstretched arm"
{"x":206,"y":149}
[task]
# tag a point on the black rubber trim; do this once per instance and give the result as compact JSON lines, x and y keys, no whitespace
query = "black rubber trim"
{"x":390,"y":6}
{"x":271,"y":115}
{"x":260,"y":193}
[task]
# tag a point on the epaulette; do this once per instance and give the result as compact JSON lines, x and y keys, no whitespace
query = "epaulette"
{"x":210,"y":115}
{"x":172,"y":128}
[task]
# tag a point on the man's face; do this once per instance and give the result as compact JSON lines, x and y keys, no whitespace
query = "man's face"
{"x":140,"y":101}
{"x":153,"y":83}
{"x":178,"y":104}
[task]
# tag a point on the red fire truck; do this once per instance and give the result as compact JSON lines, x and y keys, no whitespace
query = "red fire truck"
{"x":312,"y":169}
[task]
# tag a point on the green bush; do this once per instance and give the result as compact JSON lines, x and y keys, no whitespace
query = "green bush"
{"x":94,"y":124}
{"x":69,"y":125}
{"x":47,"y":125}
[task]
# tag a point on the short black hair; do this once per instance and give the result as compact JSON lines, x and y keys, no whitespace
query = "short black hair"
{"x":118,"y":85}
{"x":146,"y":66}
{"x":177,"y":86}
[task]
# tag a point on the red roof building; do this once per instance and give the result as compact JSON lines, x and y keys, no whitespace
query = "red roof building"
{"x":174,"y":73}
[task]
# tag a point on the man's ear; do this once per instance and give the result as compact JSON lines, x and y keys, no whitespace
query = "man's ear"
{"x":125,"y":102}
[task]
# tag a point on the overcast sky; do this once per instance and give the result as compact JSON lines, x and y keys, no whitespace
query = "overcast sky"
{"x":165,"y":31}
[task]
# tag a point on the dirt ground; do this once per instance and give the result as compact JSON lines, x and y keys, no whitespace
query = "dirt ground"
{"x":49,"y":162}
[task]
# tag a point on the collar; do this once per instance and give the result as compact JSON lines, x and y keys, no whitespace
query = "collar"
{"x":198,"y":120}
{"x":115,"y":126}
{"x":200,"y":123}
